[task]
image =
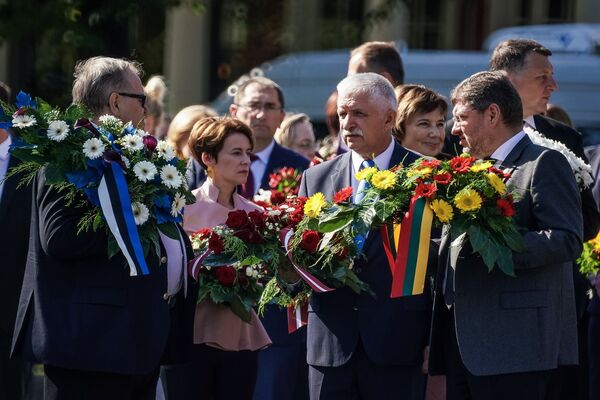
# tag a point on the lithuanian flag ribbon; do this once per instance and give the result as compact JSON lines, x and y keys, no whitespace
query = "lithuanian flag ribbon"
{"x":407,"y":249}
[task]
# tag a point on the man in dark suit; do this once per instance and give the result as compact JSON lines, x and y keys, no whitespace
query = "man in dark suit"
{"x":100,"y":333}
{"x":496,"y":336}
{"x":14,"y":236}
{"x":528,"y":67}
{"x":360,"y":346}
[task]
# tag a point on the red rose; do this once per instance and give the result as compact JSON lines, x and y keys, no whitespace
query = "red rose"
{"x":150,"y":142}
{"x":315,"y":161}
{"x":443,"y":178}
{"x":310,"y":241}
{"x":425,"y":190}
{"x":237,"y":219}
{"x":288,"y":173}
{"x":342,"y":195}
{"x":203,"y":233}
{"x":225,"y":275}
{"x":274,"y":180}
{"x":277,"y":197}
{"x":431,"y":163}
{"x":249,"y":236}
{"x":215,"y":243}
{"x":461,"y":164}
{"x":506,"y":207}
{"x":258,"y":218}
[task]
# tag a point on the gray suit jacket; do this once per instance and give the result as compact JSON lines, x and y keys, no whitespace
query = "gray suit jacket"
{"x":528,"y":323}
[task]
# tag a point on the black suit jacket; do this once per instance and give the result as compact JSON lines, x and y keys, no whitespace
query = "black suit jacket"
{"x":392,"y":331}
{"x":15,"y":216}
{"x":81,"y":310}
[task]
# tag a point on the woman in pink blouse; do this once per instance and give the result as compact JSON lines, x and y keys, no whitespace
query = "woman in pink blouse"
{"x":225,"y":356}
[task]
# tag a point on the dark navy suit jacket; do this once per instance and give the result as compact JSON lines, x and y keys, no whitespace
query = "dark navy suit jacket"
{"x":392,"y":331}
{"x":81,"y":310}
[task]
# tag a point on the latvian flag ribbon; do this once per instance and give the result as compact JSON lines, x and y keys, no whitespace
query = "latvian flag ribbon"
{"x":407,"y":249}
{"x":116,"y":207}
{"x":297,"y":316}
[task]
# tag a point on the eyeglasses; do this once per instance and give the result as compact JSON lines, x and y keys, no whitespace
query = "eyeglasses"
{"x":256,"y":107}
{"x":141,"y":97}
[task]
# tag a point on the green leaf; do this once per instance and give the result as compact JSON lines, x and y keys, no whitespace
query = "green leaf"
{"x":482,"y":244}
{"x":25,"y":154}
{"x":113,"y":247}
{"x":97,"y":222}
{"x":251,"y":260}
{"x":513,"y":239}
{"x":505,"y":262}
{"x":54,"y":174}
{"x":169,"y":229}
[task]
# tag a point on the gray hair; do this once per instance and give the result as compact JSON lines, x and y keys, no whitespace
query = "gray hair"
{"x":97,"y":77}
{"x":368,"y":83}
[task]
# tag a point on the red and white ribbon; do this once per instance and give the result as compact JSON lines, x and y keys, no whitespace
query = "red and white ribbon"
{"x":195,"y":264}
{"x":284,"y":236}
{"x":297,"y":316}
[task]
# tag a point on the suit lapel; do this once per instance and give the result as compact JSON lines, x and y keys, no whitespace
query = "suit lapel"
{"x":340,"y":176}
{"x":274,"y":163}
{"x":514,"y":155}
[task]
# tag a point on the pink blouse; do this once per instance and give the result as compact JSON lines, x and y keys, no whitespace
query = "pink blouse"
{"x":215,"y":324}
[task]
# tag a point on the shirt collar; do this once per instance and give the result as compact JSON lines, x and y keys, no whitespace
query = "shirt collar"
{"x":4,"y":148}
{"x":530,"y":121}
{"x":382,"y":161}
{"x":265,"y":153}
{"x":504,"y":150}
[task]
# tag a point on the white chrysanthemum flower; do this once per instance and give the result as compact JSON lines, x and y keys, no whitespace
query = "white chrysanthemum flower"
{"x":249,"y":271}
{"x":177,"y":205}
{"x":93,"y":148}
{"x":23,"y":121}
{"x":133,"y":142}
{"x":145,"y":171}
{"x":58,"y":131}
{"x":109,"y":119}
{"x":263,"y":195}
{"x":171,"y":178}
{"x":140,"y":213}
{"x":165,"y":150}
{"x":274,"y":213}
{"x":141,"y":132}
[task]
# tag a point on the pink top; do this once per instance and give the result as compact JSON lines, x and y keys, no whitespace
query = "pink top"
{"x":215,"y":324}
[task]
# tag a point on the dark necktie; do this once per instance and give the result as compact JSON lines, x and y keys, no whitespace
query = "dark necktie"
{"x":247,"y":190}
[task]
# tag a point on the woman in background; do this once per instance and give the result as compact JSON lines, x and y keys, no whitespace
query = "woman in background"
{"x":420,"y":120}
{"x":296,"y":133}
{"x":181,"y":126}
{"x":225,"y":355}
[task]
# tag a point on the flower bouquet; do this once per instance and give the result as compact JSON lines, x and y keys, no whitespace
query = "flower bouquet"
{"x":322,"y":254}
{"x":283,"y":183}
{"x":589,"y":260}
{"x":133,"y":182}
{"x":232,"y":262}
{"x":467,"y":194}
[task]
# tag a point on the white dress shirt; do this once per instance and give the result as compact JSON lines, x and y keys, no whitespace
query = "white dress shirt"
{"x":502,"y":152}
{"x":4,"y":159}
{"x":259,"y":166}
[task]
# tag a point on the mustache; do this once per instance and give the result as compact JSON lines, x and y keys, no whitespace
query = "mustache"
{"x":353,"y":132}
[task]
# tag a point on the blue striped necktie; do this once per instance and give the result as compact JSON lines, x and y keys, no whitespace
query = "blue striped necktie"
{"x":363,"y":184}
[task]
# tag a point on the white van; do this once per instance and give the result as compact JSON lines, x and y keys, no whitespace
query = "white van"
{"x":308,"y":78}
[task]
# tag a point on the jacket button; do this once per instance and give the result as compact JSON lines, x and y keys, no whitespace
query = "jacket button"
{"x":358,"y":270}
{"x":166,"y":296}
{"x":163,"y":260}
{"x":355,"y":308}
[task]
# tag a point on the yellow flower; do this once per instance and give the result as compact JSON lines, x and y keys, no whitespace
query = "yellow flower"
{"x":467,"y":200}
{"x":383,"y":179}
{"x":443,"y":211}
{"x":481,"y":166}
{"x":424,"y":172}
{"x":496,"y":182}
{"x":366,"y":173}
{"x":595,"y":242}
{"x":314,"y":205}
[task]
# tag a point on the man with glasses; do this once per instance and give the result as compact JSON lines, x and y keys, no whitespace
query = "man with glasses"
{"x":100,"y":333}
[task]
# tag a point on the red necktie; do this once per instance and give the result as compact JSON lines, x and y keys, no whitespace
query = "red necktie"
{"x":247,"y":190}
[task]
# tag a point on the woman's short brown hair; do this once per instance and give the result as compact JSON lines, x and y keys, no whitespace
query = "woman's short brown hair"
{"x":414,"y":100}
{"x":208,"y":136}
{"x":182,"y":124}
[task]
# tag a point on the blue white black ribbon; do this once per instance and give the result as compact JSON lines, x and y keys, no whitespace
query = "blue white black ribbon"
{"x":116,"y":207}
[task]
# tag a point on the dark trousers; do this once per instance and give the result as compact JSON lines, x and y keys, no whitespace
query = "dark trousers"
{"x":462,"y":385}
{"x":360,"y":378}
{"x":594,"y":356}
{"x":13,"y":372}
{"x":282,"y":373}
{"x":69,"y":384}
{"x":223,"y":375}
